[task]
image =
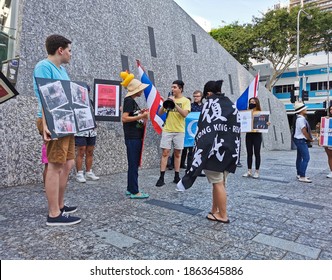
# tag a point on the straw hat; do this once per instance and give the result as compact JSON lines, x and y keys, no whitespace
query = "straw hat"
{"x":132,"y":85}
{"x":299,"y":106}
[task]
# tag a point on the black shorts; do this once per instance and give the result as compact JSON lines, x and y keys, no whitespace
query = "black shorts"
{"x":85,"y":141}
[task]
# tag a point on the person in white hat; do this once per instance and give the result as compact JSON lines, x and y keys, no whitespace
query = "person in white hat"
{"x":133,"y":126}
{"x":301,"y":137}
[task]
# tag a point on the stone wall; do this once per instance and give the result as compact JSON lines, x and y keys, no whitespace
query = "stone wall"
{"x":104,"y":32}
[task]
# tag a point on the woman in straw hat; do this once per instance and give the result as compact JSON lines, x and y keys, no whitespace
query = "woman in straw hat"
{"x":301,"y":136}
{"x":133,"y":125}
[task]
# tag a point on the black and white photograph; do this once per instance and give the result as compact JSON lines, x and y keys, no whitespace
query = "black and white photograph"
{"x":54,"y":95}
{"x":59,"y":108}
{"x":64,"y":121}
{"x":84,"y":119}
{"x":79,"y":94}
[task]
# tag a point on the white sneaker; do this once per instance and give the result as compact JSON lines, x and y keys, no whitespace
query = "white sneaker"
{"x":298,"y":177}
{"x":91,"y":176}
{"x":256,"y":175}
{"x":305,"y":180}
{"x":329,"y":175}
{"x":247,"y":174}
{"x":80,"y":177}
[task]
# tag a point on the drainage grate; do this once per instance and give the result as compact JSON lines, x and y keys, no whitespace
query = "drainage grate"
{"x":173,"y":206}
{"x":292,"y":202}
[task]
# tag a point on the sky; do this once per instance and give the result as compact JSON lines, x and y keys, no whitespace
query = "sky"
{"x":215,"y":13}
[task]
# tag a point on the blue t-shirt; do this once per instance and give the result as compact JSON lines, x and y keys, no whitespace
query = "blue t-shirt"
{"x":46,"y":69}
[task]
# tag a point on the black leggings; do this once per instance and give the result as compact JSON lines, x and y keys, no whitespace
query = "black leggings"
{"x":253,"y":144}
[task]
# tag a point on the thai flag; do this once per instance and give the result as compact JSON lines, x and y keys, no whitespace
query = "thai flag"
{"x":326,"y":132}
{"x":153,"y":99}
{"x":251,"y":91}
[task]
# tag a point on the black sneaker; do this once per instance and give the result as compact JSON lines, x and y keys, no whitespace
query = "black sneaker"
{"x":68,"y":209}
{"x":160,"y":182}
{"x":62,"y":220}
{"x":176,"y":180}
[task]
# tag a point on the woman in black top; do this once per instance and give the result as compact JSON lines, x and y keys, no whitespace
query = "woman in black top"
{"x":133,"y":125}
{"x":253,"y":143}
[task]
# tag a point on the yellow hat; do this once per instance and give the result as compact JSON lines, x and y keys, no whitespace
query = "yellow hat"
{"x":131,"y":84}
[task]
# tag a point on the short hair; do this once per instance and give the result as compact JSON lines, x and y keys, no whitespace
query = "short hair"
{"x":180,"y":84}
{"x":212,"y":86}
{"x":198,"y":91}
{"x":55,"y":41}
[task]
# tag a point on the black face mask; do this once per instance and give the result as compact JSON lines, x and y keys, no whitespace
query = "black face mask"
{"x":252,"y":106}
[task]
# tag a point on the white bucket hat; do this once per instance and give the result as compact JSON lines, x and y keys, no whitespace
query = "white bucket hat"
{"x":299,"y":106}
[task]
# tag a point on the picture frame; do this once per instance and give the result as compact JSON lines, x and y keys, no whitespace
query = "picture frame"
{"x":7,"y":90}
{"x":66,"y":105}
{"x":325,"y":132}
{"x":107,"y":100}
{"x":260,"y":121}
{"x":246,"y":120}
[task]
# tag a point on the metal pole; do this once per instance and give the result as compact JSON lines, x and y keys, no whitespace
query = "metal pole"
{"x":298,"y":44}
{"x":12,"y":30}
{"x":328,"y":83}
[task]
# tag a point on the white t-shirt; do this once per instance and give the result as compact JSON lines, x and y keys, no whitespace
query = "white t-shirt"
{"x":300,"y":123}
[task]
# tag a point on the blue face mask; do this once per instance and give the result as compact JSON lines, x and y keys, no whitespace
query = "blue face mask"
{"x":252,"y":106}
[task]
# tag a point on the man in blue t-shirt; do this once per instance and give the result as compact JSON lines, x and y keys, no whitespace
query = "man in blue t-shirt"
{"x":60,"y":152}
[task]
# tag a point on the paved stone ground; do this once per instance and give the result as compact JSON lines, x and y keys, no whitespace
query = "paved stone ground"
{"x":274,"y":217}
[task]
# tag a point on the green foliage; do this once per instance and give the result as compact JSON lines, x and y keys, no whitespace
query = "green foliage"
{"x":237,"y":40}
{"x":273,"y":37}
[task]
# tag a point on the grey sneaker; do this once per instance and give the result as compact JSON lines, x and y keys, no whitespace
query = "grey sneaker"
{"x":80,"y":177}
{"x":91,"y":176}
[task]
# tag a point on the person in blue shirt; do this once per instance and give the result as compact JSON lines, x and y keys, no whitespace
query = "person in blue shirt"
{"x":60,"y":152}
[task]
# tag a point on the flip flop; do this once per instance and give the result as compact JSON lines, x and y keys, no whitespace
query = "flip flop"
{"x":215,"y":219}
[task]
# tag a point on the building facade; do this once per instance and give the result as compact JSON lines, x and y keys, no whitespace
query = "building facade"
{"x":315,"y":83}
{"x":324,"y":5}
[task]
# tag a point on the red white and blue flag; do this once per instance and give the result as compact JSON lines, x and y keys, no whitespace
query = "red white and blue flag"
{"x":250,"y":92}
{"x":153,"y":100}
{"x":325,"y":132}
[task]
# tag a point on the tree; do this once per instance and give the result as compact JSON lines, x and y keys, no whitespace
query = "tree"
{"x":273,"y":37}
{"x":237,"y":40}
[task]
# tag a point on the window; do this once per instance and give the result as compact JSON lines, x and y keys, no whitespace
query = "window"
{"x":230,"y":83}
{"x":152,"y":42}
{"x":178,"y":69}
{"x":194,"y":43}
{"x":320,"y":86}
{"x":151,"y":76}
{"x":283,"y":88}
{"x":124,"y":62}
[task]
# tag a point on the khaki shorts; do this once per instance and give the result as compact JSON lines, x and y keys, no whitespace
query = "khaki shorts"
{"x":169,"y":138}
{"x":216,"y":177}
{"x":61,"y":150}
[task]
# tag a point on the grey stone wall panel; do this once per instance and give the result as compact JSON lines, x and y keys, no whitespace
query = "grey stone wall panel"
{"x":102,"y":31}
